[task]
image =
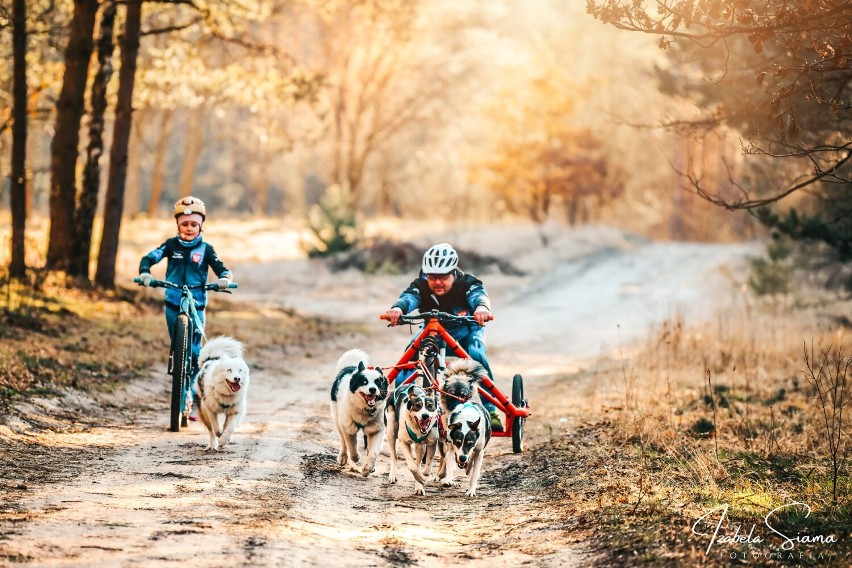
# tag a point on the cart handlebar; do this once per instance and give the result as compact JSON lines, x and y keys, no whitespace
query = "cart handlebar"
{"x":442,"y":317}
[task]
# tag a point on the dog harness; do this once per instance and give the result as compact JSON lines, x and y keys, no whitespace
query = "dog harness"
{"x":414,"y":436}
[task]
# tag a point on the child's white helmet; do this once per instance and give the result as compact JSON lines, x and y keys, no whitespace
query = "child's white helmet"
{"x":188,"y":205}
{"x":440,"y":259}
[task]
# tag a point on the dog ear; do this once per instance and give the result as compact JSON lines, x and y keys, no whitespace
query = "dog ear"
{"x":455,"y":426}
{"x":475,"y":425}
{"x":361,"y":366}
{"x":412,"y":396}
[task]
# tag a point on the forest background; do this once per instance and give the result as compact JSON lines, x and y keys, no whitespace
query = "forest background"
{"x":452,"y":110}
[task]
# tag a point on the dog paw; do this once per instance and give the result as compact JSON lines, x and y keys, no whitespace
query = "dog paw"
{"x":448,"y":483}
{"x":419,"y":489}
{"x":342,"y":458}
{"x":391,"y":478}
{"x":367,"y":469}
{"x":470,"y":492}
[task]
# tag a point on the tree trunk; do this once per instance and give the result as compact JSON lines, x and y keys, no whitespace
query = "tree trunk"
{"x":193,"y":142}
{"x":88,"y":202}
{"x":18,"y":198}
{"x":158,"y":173}
{"x":682,"y":162}
{"x":262,"y":184}
{"x":63,"y":149}
{"x":132,"y":191}
{"x":114,"y":201}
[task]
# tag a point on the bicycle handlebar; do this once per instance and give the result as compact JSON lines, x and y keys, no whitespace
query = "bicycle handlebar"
{"x":166,"y":284}
{"x":442,"y":317}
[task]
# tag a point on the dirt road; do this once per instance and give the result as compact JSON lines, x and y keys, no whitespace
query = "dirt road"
{"x":133,"y":494}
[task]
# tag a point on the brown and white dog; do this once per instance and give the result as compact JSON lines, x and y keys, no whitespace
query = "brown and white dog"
{"x":221,"y":388}
{"x":459,"y":383}
{"x":412,"y":419}
{"x":358,"y":396}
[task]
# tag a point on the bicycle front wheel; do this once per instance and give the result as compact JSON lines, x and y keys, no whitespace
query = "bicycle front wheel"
{"x":181,"y":355}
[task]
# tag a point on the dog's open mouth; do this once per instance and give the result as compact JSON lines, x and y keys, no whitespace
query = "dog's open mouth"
{"x":425,"y":425}
{"x":462,"y":464}
{"x":370,"y":399}
{"x":233,"y":386}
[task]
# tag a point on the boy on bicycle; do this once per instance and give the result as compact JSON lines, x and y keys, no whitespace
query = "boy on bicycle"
{"x":442,"y":286}
{"x":189,"y":259}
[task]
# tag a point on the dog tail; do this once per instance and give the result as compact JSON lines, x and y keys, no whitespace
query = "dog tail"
{"x":351,"y":359}
{"x":221,"y":346}
{"x":469,"y":367}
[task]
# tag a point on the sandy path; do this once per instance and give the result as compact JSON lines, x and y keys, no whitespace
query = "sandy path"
{"x":275,"y":497}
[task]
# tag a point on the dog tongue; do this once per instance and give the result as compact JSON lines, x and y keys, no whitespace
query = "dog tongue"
{"x":233,"y":386}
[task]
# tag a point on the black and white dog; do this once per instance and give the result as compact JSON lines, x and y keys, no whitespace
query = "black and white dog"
{"x":459,"y":384}
{"x":468,"y":433}
{"x":221,"y":388}
{"x":412,"y":418}
{"x":357,"y":398}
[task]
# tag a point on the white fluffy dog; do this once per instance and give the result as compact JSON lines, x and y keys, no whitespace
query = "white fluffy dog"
{"x":357,"y":397}
{"x":222,"y":388}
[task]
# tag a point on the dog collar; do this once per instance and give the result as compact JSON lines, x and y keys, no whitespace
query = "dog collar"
{"x":225,"y":406}
{"x":359,"y":426}
{"x":414,"y":436}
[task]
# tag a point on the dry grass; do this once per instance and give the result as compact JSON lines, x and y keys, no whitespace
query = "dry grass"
{"x":707,"y":416}
{"x":55,"y":337}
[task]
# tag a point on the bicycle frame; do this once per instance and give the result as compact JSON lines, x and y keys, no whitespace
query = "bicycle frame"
{"x":434,"y":328}
{"x":181,"y":356}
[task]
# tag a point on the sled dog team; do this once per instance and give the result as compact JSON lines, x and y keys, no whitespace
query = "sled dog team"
{"x":361,"y":401}
{"x":408,"y":418}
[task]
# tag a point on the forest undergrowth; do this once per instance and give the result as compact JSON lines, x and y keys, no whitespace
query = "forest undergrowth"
{"x":725,"y":443}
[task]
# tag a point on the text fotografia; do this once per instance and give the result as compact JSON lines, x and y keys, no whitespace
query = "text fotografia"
{"x":739,"y":536}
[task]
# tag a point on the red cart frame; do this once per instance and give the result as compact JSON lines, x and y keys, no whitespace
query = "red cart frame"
{"x":515,"y":410}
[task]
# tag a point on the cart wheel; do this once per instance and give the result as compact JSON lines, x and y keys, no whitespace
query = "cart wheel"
{"x":518,"y":426}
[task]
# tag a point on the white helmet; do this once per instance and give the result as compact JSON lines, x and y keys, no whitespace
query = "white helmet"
{"x":440,"y":259}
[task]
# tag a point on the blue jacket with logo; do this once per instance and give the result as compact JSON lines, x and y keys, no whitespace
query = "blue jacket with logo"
{"x":467,"y":294}
{"x":188,"y":263}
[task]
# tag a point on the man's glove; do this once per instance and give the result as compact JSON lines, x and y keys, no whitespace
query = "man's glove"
{"x":145,"y":279}
{"x":223,"y":283}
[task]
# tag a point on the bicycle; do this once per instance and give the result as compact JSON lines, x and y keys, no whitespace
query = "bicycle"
{"x":425,"y":357}
{"x":181,"y":362}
